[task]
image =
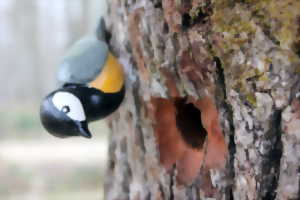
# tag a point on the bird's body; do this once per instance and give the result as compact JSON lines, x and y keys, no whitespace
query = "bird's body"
{"x":84,"y":65}
{"x":92,"y":88}
{"x":83,"y":61}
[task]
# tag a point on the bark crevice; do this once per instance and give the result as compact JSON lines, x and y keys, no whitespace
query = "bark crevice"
{"x":274,"y":157}
{"x":228,"y":116}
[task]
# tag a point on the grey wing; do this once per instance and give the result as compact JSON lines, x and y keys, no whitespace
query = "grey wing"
{"x":83,"y":62}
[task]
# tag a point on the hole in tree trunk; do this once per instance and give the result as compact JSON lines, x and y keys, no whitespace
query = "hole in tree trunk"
{"x":186,"y":21}
{"x":188,"y":122}
{"x":180,"y":135}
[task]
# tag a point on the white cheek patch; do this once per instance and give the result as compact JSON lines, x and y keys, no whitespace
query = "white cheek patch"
{"x":65,"y":99}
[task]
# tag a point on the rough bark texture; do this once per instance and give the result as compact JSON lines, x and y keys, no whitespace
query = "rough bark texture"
{"x":212,"y":109}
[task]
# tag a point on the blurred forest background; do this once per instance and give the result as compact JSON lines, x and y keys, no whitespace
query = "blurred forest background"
{"x":34,"y":35}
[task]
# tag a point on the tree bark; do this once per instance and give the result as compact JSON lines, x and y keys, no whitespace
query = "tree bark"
{"x":212,"y":107}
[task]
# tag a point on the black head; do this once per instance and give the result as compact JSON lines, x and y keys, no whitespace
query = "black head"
{"x":66,"y":111}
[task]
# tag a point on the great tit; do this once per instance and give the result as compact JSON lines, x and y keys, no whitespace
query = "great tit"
{"x":92,"y":88}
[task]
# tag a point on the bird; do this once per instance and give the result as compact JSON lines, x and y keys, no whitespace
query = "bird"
{"x":92,"y":87}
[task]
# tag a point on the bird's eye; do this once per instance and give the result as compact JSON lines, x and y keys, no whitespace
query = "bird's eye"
{"x":65,"y":109}
{"x":70,"y":105}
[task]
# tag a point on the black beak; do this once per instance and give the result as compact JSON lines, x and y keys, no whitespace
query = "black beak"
{"x":83,"y":129}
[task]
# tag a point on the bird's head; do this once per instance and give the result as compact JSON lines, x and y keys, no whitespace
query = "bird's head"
{"x":62,"y":115}
{"x":67,"y":111}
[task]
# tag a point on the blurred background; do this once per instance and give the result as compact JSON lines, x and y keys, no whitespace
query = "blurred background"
{"x":34,"y":35}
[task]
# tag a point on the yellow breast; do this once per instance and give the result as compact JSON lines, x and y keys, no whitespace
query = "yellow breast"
{"x":111,"y":78}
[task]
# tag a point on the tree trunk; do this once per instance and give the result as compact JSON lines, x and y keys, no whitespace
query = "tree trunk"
{"x":211,"y":109}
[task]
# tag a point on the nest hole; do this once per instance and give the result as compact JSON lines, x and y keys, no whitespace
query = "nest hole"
{"x":186,"y":21}
{"x":189,"y":123}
